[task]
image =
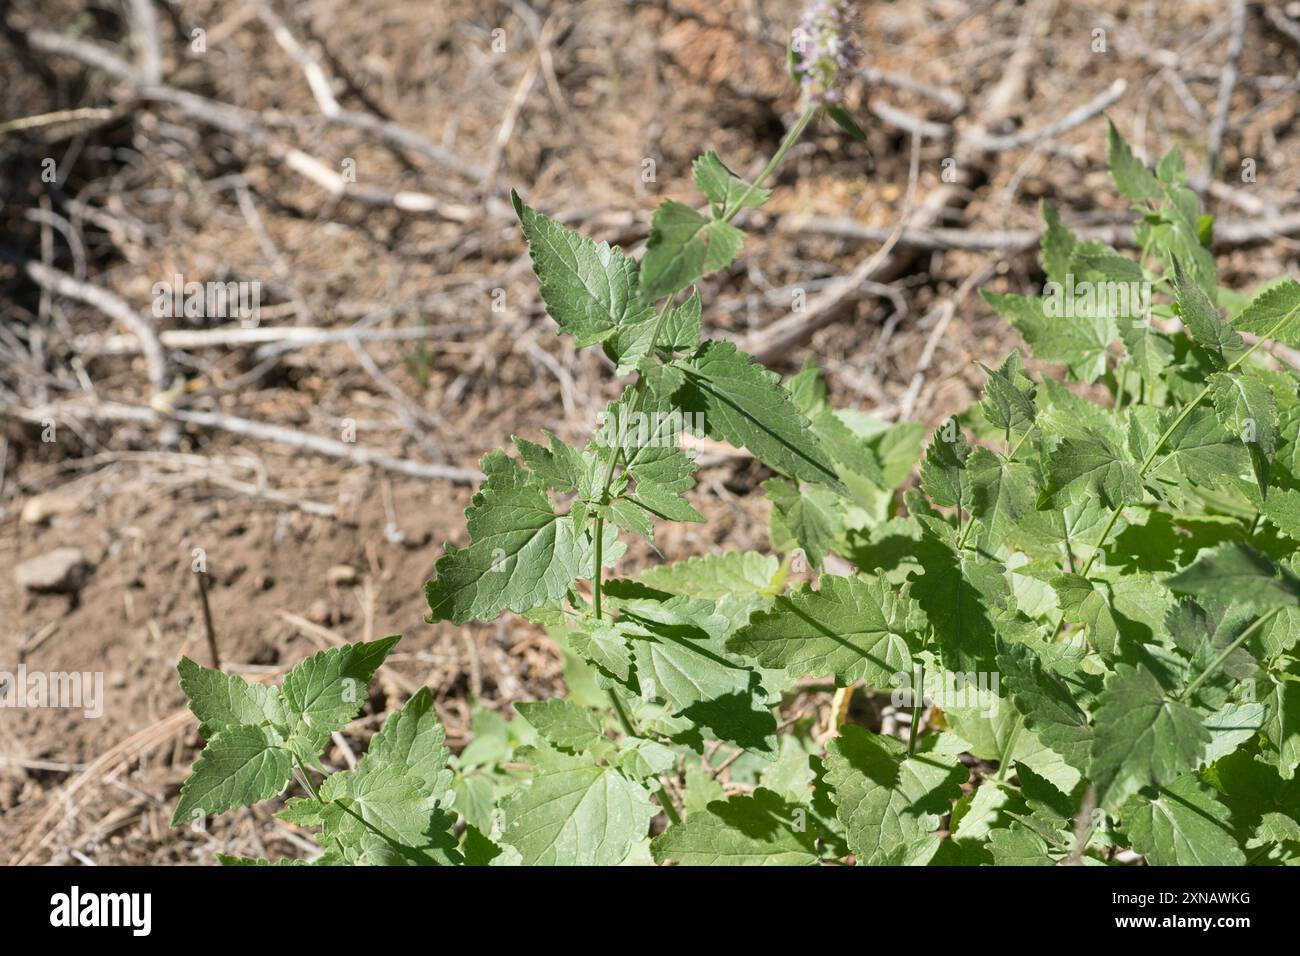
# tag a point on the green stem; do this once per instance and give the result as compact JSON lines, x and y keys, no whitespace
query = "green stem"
{"x":596,"y":573}
{"x":666,"y":802}
{"x":1218,"y":661}
{"x":965,"y":531}
{"x":306,"y":779}
{"x":1004,"y":764}
{"x":918,"y":698}
{"x":623,"y":718}
{"x":630,"y":729}
{"x":791,"y":138}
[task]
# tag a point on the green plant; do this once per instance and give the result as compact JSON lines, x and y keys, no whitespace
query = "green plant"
{"x":1085,"y":617}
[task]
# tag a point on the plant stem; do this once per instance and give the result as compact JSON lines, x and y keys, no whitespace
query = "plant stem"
{"x":1218,"y":661}
{"x":1021,"y":440}
{"x":667,"y":803}
{"x":623,"y":718}
{"x":918,"y":696}
{"x":790,"y":139}
{"x":965,"y":531}
{"x":1004,"y":764}
{"x":599,"y":534}
{"x":306,"y":778}
{"x":628,"y":728}
{"x":599,"y":526}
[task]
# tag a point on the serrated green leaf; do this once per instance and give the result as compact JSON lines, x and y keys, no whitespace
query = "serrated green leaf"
{"x":1274,"y":314}
{"x":1082,"y":603}
{"x":943,"y":473}
{"x":1009,"y":394}
{"x":562,"y":722}
{"x":1081,"y":468}
{"x":681,"y":328}
{"x":1142,"y":737}
{"x":413,"y":738}
{"x":1203,"y":451}
{"x":1245,"y":407}
{"x":1236,"y":572}
{"x":960,"y":593}
{"x":324,"y":692}
{"x":679,"y":652}
{"x":239,"y":766}
{"x":811,"y":519}
{"x":589,"y":288}
{"x":1231,"y":726}
{"x":744,"y":404}
{"x":684,"y":246}
{"x":1078,"y":342}
{"x":1001,"y":494}
{"x":575,"y":813}
{"x":380,"y":813}
{"x":1018,"y":845}
{"x":757,"y":830}
{"x":1182,"y":825}
{"x":852,"y":628}
{"x":885,"y":799}
{"x":603,"y":644}
{"x":1202,"y":319}
{"x":560,"y":465}
{"x":1057,"y":244}
{"x":521,"y":553}
{"x":641,"y":759}
{"x":722,"y":187}
{"x":1150,"y":351}
{"x":1130,"y":175}
{"x":225,"y":701}
{"x":1170,"y":169}
{"x":1048,"y":706}
{"x":715,"y":576}
{"x":1282,"y":727}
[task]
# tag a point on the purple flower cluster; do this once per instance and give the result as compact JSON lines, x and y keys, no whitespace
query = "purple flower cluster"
{"x":822,"y":50}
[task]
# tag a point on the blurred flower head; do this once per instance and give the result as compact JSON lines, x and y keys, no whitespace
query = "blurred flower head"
{"x":821,"y":51}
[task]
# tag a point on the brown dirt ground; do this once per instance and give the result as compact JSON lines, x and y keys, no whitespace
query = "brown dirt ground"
{"x":623,"y":82}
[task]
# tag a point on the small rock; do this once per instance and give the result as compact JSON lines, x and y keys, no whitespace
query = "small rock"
{"x":319,"y":612}
{"x":42,"y":508}
{"x":342,"y":575}
{"x":60,"y":570}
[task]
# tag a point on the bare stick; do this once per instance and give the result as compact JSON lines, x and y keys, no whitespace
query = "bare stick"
{"x":115,"y":308}
{"x":114,"y":411}
{"x":144,"y":36}
{"x":248,"y":125}
{"x":1226,"y":86}
{"x":1282,"y":24}
{"x":288,"y":336}
{"x":1072,"y":119}
{"x":317,"y":80}
{"x":59,"y":116}
{"x":781,"y":336}
{"x":208,"y":629}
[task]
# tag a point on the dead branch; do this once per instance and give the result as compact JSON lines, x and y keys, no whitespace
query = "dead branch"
{"x":359,"y":455}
